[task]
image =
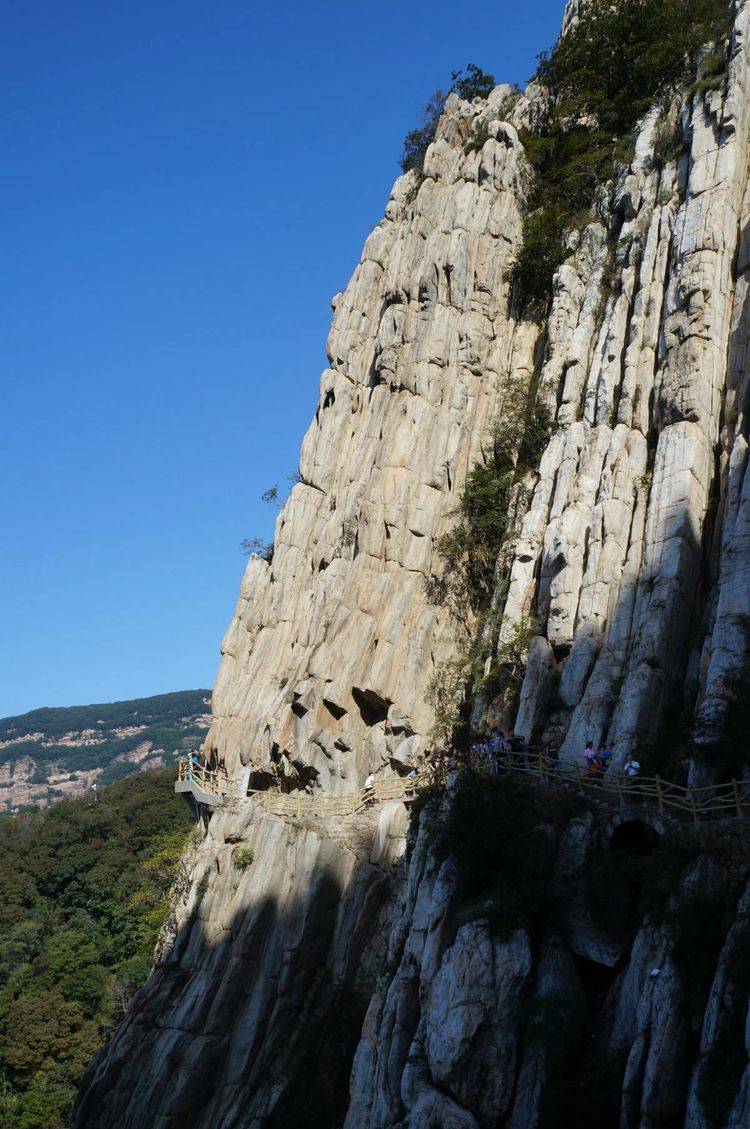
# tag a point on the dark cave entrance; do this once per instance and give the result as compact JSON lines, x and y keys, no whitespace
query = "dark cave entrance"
{"x":616,"y":875}
{"x":634,"y":837}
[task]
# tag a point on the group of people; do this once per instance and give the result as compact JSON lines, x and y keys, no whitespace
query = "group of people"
{"x":198,"y":760}
{"x":599,"y":760}
{"x":487,"y":753}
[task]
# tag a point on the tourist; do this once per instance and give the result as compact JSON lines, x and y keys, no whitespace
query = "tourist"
{"x":605,"y":757}
{"x":632,"y":767}
{"x":370,"y":782}
{"x":496,"y":749}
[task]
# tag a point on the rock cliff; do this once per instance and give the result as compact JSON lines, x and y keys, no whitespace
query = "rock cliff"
{"x":626,"y":562}
{"x":333,"y":644}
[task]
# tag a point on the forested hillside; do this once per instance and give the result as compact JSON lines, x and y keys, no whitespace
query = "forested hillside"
{"x":83,"y":893}
{"x":49,"y":754}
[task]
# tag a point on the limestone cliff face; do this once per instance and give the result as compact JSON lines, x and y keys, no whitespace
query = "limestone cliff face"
{"x":333,"y":644}
{"x":632,"y":1024}
{"x":632,"y":556}
{"x":261,"y":984}
{"x":629,"y":552}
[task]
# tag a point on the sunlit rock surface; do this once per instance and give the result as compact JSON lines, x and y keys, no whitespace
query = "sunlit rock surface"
{"x":334,"y":643}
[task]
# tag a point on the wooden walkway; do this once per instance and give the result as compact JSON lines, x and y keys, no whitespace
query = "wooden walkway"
{"x":207,"y":787}
{"x":219,"y":790}
{"x":673,"y":801}
{"x":296,"y":804}
{"x":720,"y":801}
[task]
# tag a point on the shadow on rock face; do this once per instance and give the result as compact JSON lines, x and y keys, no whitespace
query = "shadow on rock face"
{"x":253,"y":1017}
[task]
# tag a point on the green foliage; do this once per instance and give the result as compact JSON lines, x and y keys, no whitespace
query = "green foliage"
{"x":712,"y":72}
{"x":242,"y":858}
{"x":469,"y":84}
{"x":479,"y":136}
{"x":426,"y":800}
{"x":603,"y":76}
{"x":446,"y":694}
{"x":469,"y":550}
{"x":535,"y":435}
{"x":669,"y":139}
{"x":417,"y":141}
{"x":620,"y":56}
{"x":55,"y":722}
{"x":469,"y":553}
{"x":257,"y":547}
{"x":472,"y":83}
{"x":82,"y":897}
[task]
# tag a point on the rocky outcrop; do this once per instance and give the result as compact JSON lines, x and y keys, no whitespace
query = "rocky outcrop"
{"x":628,"y":546}
{"x":612,"y":557}
{"x":471,"y":1027}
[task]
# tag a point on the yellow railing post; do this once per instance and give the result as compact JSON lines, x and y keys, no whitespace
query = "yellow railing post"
{"x":620,"y":799}
{"x":737,"y":798}
{"x":691,"y":794}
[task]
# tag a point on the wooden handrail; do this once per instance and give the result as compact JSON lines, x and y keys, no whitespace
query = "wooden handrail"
{"x":671,"y":800}
{"x":208,"y":780}
{"x":713,"y":800}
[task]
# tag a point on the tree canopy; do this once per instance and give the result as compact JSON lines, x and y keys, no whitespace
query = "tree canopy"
{"x":83,"y":894}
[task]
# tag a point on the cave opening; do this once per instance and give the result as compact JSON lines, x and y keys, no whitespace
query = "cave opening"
{"x":616,"y":875}
{"x":372,"y":708}
{"x":634,"y":837}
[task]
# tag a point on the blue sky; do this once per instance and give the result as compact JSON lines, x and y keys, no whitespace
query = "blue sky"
{"x":185,"y":186}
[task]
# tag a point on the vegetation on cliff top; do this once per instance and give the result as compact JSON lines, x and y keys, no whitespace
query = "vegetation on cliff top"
{"x":469,"y":84}
{"x":603,"y":76}
{"x":83,"y":890}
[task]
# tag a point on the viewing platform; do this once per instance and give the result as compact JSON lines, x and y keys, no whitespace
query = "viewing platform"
{"x":204,"y":785}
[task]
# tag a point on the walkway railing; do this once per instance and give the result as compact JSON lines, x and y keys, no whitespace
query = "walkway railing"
{"x":294,"y":805}
{"x":713,"y":802}
{"x":672,"y":800}
{"x":207,"y":780}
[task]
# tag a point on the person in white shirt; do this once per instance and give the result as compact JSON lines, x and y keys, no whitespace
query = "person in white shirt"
{"x":631,"y":767}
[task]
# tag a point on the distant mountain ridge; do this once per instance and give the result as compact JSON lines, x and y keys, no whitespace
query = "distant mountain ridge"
{"x":53,"y":752}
